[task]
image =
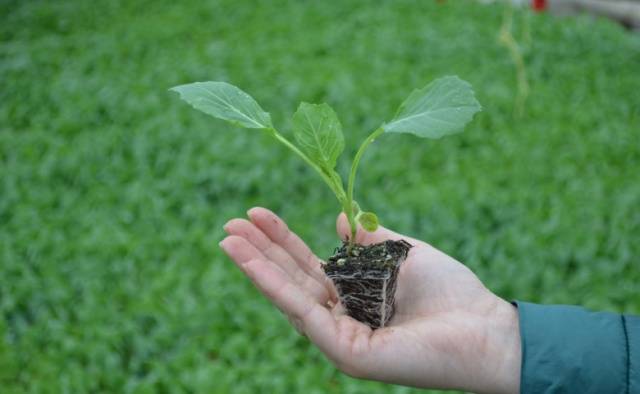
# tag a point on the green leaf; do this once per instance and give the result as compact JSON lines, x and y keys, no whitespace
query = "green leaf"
{"x":443,"y":107}
{"x":224,"y":101}
{"x":368,"y":220}
{"x":319,"y":134}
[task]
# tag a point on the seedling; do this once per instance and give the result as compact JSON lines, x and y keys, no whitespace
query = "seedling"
{"x":442,"y":107}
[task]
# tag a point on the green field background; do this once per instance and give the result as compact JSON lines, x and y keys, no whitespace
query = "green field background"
{"x":113,"y":192}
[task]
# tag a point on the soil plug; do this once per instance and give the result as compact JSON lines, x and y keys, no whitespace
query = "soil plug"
{"x":366,"y":281}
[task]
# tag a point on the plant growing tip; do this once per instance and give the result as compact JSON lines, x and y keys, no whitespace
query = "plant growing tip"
{"x":442,"y":107}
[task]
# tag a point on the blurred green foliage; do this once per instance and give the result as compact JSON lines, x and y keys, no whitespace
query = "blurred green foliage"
{"x":113,"y":193}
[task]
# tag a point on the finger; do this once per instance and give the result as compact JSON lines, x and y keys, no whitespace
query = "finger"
{"x":241,"y":251}
{"x":365,"y":238}
{"x":278,"y":232}
{"x":297,"y":324}
{"x":312,"y":318}
{"x":274,"y":252}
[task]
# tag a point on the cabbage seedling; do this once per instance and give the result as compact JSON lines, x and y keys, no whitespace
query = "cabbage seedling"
{"x":442,"y":107}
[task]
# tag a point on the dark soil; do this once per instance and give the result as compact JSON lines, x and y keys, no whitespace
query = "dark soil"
{"x":366,"y":279}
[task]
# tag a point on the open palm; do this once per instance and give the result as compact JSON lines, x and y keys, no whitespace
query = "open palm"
{"x":448,"y":331}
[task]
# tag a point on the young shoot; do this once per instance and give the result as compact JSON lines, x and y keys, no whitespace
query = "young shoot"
{"x":442,"y":107}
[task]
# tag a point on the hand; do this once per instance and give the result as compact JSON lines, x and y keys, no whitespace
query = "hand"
{"x":448,"y":330}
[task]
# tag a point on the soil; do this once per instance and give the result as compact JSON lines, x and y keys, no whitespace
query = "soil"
{"x":366,"y":279}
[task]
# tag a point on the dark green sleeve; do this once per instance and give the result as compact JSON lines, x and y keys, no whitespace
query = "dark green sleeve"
{"x":632,"y":329}
{"x":568,"y":349}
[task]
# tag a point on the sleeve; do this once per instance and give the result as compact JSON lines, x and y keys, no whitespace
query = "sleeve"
{"x":569,"y":349}
{"x":632,"y":329}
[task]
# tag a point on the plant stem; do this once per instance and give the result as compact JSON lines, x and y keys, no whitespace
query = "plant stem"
{"x":352,"y":178}
{"x":507,"y":39}
{"x":334,"y":185}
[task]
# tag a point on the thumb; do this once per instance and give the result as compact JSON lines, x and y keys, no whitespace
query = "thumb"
{"x":364,"y":237}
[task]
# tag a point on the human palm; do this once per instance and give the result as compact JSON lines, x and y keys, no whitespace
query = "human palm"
{"x":448,"y":330}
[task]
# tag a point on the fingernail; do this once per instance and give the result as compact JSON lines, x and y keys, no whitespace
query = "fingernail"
{"x":227,"y":225}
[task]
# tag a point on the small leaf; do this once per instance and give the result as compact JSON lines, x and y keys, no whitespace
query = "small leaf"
{"x":443,"y":107}
{"x":368,"y":220}
{"x":224,"y":101}
{"x":319,"y":134}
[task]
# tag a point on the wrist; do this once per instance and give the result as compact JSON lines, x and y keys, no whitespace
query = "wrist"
{"x":503,"y":349}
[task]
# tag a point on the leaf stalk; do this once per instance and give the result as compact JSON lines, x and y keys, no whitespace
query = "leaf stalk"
{"x":352,"y":178}
{"x":333,"y":181}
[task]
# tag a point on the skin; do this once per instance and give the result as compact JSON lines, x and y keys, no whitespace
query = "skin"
{"x":449,"y":331}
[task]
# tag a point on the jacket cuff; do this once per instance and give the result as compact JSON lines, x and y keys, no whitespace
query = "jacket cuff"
{"x":632,"y":331}
{"x":568,"y":349}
